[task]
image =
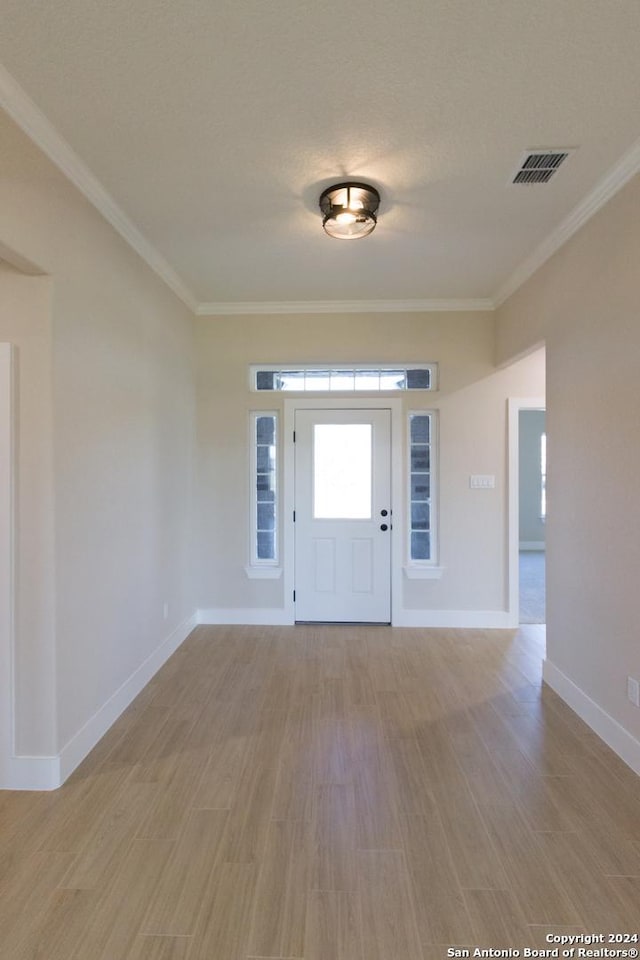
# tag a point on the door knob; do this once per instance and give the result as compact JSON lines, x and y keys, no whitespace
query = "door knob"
{"x":383,"y":526}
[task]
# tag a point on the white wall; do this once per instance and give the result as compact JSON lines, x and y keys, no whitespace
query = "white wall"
{"x":472,"y":409}
{"x":118,"y":387}
{"x":531,"y":525}
{"x":584,"y":304}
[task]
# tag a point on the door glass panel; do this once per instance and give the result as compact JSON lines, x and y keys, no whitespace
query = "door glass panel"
{"x":420,"y":546}
{"x":342,"y":379}
{"x":291,"y":380}
{"x":367,"y":380}
{"x":317,"y":380}
{"x":342,"y":467}
{"x":393,"y":380}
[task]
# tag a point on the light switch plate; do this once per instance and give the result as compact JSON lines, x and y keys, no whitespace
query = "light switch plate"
{"x":482,"y":481}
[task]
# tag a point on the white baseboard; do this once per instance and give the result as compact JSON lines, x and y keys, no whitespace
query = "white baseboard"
{"x":248,"y":616}
{"x":526,"y":545}
{"x":49,"y":773}
{"x":462,"y":619}
{"x":608,"y":729}
{"x":30,"y":773}
{"x":74,"y":752}
{"x":278,"y":616}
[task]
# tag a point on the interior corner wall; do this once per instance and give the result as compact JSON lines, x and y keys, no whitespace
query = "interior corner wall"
{"x":122,"y":419}
{"x":472,"y":409}
{"x":584,"y":303}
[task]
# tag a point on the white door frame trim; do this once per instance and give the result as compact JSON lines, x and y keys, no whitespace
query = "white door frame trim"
{"x":397,"y":500}
{"x":515,"y":405}
{"x":7,"y":413}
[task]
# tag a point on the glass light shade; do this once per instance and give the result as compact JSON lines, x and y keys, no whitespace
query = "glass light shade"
{"x":349,"y":210}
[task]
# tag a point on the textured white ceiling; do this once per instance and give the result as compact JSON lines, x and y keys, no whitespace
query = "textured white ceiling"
{"x":215,"y":125}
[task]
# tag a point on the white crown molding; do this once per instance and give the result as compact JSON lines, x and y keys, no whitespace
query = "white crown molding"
{"x":343,"y":306}
{"x":33,"y":122}
{"x":605,"y":189}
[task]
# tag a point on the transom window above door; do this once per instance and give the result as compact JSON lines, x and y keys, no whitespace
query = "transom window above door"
{"x":370,"y":378}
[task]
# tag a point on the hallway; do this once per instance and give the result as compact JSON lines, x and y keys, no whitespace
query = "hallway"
{"x":328,"y":793}
{"x":532,"y":586}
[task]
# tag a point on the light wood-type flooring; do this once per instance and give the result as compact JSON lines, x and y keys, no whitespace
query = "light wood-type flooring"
{"x":328,"y":793}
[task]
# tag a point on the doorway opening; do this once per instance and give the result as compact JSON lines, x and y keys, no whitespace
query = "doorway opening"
{"x":527,"y":511}
{"x":532,"y":514}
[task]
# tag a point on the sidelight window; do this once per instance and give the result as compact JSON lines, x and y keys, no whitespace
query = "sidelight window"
{"x":264,"y":493}
{"x":421,"y":488}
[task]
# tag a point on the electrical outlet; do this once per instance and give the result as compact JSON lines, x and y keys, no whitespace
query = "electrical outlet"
{"x":633,"y":691}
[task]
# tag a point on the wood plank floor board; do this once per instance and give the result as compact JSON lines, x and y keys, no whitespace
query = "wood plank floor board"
{"x":333,"y":856}
{"x":280,"y":906}
{"x":388,"y":928}
{"x":222,"y":772}
{"x":538,"y":933}
{"x":24,"y":902}
{"x":141,"y":736}
{"x":294,"y":790}
{"x":408,"y":777}
{"x":103,"y":848}
{"x":396,"y":718}
{"x":119,"y":911}
{"x":174,"y":799}
{"x":63,"y":818}
{"x":519,"y":735}
{"x":160,"y":948}
{"x":250,"y":813}
{"x":616,"y":856}
{"x":332,"y":752}
{"x":324,"y":793}
{"x":602,"y":904}
{"x":531,"y":875}
{"x":24,"y":827}
{"x":223,"y":926}
{"x":186,"y":880}
{"x":474,"y":855}
{"x":359,"y":686}
{"x":377,"y":823}
{"x":486,"y":752}
{"x":621,"y":804}
{"x":441,"y":912}
{"x":158,"y":763}
{"x":54,"y":935}
{"x":332,"y":926}
{"x":496,"y":918}
{"x":584,"y":808}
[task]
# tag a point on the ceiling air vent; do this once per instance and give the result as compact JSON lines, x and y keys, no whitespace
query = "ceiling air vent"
{"x":538,"y":166}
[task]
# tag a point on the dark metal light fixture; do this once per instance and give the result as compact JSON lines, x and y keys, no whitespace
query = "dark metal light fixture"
{"x":349,"y":210}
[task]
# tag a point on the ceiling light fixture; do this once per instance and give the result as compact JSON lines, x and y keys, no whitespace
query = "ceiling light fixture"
{"x":349,"y":210}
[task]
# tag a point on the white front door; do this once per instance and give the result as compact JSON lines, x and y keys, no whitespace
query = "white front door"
{"x":343,"y":516}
